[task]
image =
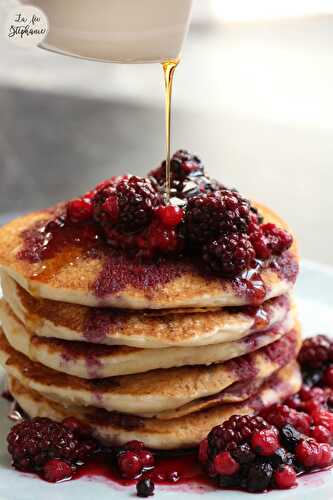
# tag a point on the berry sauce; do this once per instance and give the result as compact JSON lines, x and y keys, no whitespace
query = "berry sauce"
{"x":171,"y":468}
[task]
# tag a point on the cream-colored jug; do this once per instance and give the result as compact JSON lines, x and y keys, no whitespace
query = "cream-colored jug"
{"x":125,"y":31}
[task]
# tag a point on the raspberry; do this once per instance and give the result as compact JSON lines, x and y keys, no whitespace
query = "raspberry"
{"x":129,"y":464}
{"x":280,"y":415}
{"x":308,"y":453}
{"x":145,"y":488}
{"x":203,"y":451}
{"x":328,"y":376}
{"x":230,"y":255}
{"x":170,"y":215}
{"x":265,"y":442}
{"x":326,"y":455}
{"x":324,"y":418}
{"x":321,"y":434}
{"x":32,"y":443}
{"x":233,"y":432}
{"x":285,"y":477}
{"x":314,"y":352}
{"x":126,"y":205}
{"x":269,"y":239}
{"x":56,"y":470}
{"x":215,"y":214}
{"x":80,"y":210}
{"x":259,"y":477}
{"x":163,"y":239}
{"x":225,"y":465}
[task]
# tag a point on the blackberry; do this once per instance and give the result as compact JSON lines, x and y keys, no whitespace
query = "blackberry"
{"x":145,"y":488}
{"x":229,"y":481}
{"x":188,"y":177}
{"x":290,"y":437}
{"x":259,"y":477}
{"x":127,"y":205}
{"x":32,"y":443}
{"x":243,"y":454}
{"x":233,"y":432}
{"x":229,"y":255}
{"x":278,"y":458}
{"x":182,"y":165}
{"x":212,"y":215}
{"x":315,"y":352}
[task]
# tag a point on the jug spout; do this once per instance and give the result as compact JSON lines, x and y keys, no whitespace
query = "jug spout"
{"x":123,"y":31}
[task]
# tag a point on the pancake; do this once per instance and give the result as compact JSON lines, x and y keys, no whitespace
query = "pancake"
{"x":92,"y":361}
{"x":88,"y":272}
{"x":144,"y":329}
{"x":152,"y":392}
{"x":185,"y":432}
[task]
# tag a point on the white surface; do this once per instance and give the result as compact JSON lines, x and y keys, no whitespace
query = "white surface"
{"x":315,"y":300}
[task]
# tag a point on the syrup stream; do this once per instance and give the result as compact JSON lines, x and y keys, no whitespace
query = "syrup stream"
{"x":169,"y":70}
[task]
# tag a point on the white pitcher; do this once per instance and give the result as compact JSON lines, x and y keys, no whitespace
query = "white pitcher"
{"x":124,"y":31}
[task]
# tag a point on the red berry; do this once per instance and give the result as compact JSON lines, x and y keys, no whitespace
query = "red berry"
{"x":80,"y":209}
{"x":147,"y":459}
{"x":203,"y":451}
{"x":321,"y":434}
{"x":305,"y":393}
{"x":111,"y":207}
{"x":285,"y":477}
{"x":225,"y":465}
{"x":324,"y":418}
{"x":170,"y":215}
{"x":56,"y":470}
{"x":326,"y":455}
{"x":280,"y":415}
{"x":311,"y":406}
{"x":315,"y":351}
{"x":129,"y":464}
{"x":328,"y":376}
{"x":308,"y":453}
{"x":265,"y":442}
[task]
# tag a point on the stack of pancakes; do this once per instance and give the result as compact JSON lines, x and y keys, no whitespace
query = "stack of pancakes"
{"x":155,"y":352}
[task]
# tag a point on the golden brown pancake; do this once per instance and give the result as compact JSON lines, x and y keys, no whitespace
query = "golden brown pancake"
{"x":144,"y":329}
{"x":183,"y":432}
{"x":100,"y":277}
{"x":91,"y":361}
{"x":152,"y":392}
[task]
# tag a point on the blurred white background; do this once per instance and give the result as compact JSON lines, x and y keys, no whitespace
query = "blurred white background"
{"x":253,"y":97}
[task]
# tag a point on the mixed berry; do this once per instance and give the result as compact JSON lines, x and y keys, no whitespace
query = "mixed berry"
{"x":253,"y":453}
{"x":202,"y":218}
{"x":269,"y":451}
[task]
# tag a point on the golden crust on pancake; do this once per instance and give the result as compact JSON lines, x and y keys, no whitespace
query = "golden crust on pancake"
{"x":90,"y":361}
{"x":145,"y":329}
{"x":151,"y":392}
{"x":184,"y":432}
{"x":71,"y":276}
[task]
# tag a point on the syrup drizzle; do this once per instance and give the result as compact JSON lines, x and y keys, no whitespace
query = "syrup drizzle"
{"x":169,"y":70}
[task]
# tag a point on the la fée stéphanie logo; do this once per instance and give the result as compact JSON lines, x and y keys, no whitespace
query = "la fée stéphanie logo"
{"x":26,"y":26}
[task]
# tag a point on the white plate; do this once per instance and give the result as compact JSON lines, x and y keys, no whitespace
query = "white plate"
{"x":315,"y":300}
